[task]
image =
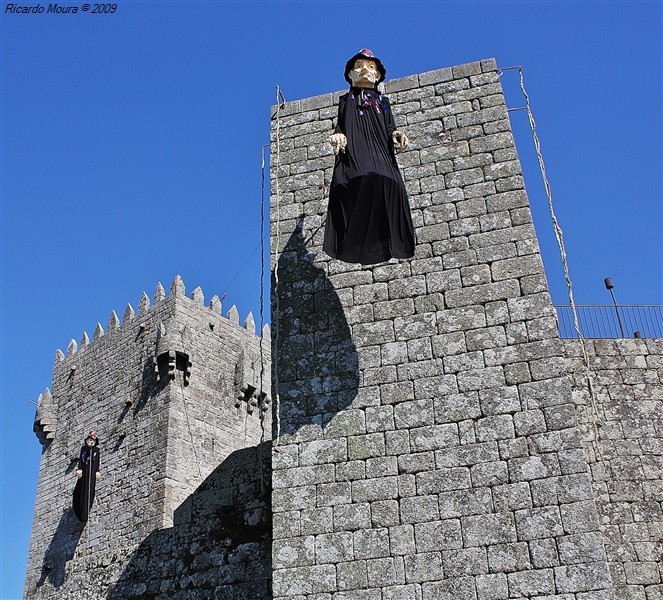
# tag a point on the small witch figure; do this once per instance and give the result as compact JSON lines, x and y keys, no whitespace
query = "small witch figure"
{"x":88,"y":475}
{"x":368,"y":217}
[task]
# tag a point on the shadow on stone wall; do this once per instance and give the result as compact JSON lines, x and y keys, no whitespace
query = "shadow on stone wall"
{"x":220,"y":544}
{"x":318,"y":365}
{"x":61,"y":549}
{"x":149,"y":387}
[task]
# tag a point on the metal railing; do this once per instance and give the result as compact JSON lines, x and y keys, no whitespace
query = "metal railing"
{"x":610,"y":321}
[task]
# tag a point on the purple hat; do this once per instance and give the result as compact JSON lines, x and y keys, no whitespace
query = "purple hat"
{"x":365,"y":53}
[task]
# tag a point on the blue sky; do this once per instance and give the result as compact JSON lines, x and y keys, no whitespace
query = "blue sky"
{"x":131,"y":152}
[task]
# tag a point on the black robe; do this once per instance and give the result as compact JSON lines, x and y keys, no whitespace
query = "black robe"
{"x":368,"y":218}
{"x":85,"y":486}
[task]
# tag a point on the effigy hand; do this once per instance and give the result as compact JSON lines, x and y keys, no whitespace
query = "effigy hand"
{"x":79,"y":473}
{"x":401,"y":141}
{"x":338,"y":142}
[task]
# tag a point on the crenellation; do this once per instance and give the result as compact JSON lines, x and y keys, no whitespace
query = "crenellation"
{"x":250,"y":323}
{"x":98,"y":332}
{"x":215,"y":305}
{"x":198,"y":297}
{"x":129,"y":314}
{"x":113,"y":322}
{"x":177,"y":287}
{"x":159,"y":293}
{"x":233,"y":315}
{"x":143,"y":304}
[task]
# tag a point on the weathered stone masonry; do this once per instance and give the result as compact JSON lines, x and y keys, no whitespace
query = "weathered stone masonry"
{"x":429,"y":441}
{"x":166,"y":429}
{"x":627,"y":474}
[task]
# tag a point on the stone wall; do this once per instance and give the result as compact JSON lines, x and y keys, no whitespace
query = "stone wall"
{"x":163,"y":430}
{"x":428,"y":445}
{"x":625,"y":451}
{"x":219,"y":545}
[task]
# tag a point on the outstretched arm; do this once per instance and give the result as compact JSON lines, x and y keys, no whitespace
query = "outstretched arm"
{"x":97,"y":463}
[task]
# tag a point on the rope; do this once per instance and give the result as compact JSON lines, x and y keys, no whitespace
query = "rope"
{"x":280,"y":98}
{"x":242,"y":267}
{"x":595,"y":417}
{"x":262,"y":314}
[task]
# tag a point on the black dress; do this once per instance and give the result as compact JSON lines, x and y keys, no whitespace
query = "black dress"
{"x":368,"y":218}
{"x":85,"y":486}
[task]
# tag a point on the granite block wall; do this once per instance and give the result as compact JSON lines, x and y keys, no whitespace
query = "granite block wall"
{"x":625,"y":452}
{"x":427,"y":444}
{"x":219,"y":545}
{"x":163,"y":431}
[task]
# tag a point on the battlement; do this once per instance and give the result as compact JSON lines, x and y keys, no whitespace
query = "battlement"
{"x":66,"y":365}
{"x":177,"y":289}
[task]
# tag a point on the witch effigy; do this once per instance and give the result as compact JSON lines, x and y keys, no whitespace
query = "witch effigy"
{"x":88,"y":475}
{"x":368,"y":216}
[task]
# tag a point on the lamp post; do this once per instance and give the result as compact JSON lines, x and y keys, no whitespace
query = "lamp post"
{"x":608,"y":286}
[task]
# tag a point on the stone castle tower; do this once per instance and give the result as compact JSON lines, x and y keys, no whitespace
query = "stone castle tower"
{"x":174,"y":393}
{"x":433,"y":437}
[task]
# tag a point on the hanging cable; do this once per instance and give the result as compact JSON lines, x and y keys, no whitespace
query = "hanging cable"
{"x":280,"y":102}
{"x":261,"y":395}
{"x":595,"y":416}
{"x":262,"y":268}
{"x":242,"y":267}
